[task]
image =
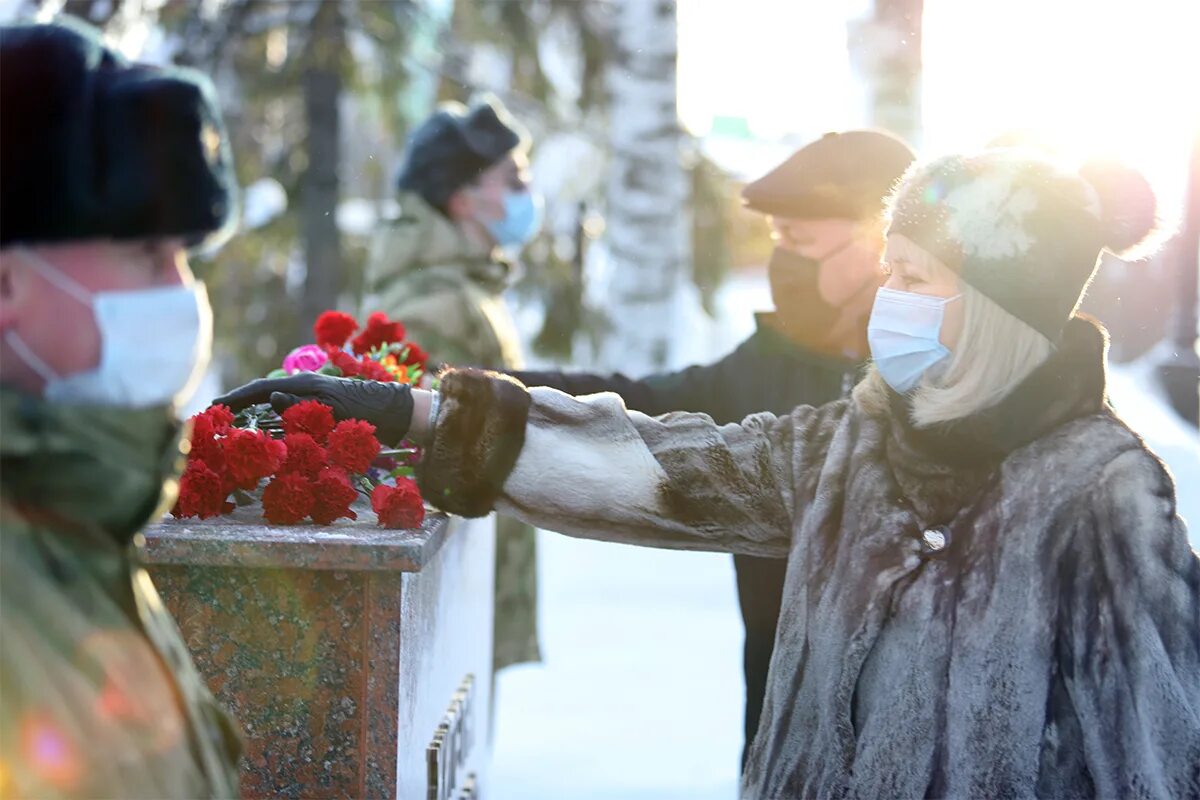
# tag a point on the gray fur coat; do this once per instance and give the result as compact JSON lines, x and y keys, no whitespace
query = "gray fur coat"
{"x":1006,"y":607}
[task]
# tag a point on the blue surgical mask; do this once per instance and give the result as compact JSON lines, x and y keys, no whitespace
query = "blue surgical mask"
{"x":904,"y":332}
{"x":521,"y":221}
{"x":154,"y":344}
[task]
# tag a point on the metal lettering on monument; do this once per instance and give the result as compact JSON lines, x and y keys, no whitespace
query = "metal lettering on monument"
{"x":448,"y":751}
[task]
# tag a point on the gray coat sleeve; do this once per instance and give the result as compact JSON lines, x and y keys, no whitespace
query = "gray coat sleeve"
{"x":1131,"y":621}
{"x":588,"y":467}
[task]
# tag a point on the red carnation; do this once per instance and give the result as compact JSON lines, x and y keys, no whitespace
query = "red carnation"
{"x":208,"y":452}
{"x":345,"y":362}
{"x":332,"y":497}
{"x":374,"y":371}
{"x":379,"y":331}
{"x":207,"y":426}
{"x":311,"y":417}
{"x":333,"y":328}
{"x":415,"y":356}
{"x":304,"y":455}
{"x":220,"y":417}
{"x":251,"y":456}
{"x":352,"y":445}
{"x":398,"y":506}
{"x":201,"y":493}
{"x":287,"y":499}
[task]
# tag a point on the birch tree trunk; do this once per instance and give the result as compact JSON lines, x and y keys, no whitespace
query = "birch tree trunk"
{"x":322,"y":84}
{"x":886,"y":49}
{"x":648,"y":194}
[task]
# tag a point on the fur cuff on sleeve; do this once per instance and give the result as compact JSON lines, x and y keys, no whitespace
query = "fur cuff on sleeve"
{"x":477,"y":437}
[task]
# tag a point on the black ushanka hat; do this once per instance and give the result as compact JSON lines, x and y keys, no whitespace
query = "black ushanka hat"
{"x":94,"y":147}
{"x":456,"y":144}
{"x":1025,"y":232}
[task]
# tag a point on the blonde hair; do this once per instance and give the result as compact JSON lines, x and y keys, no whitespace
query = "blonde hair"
{"x":995,"y":352}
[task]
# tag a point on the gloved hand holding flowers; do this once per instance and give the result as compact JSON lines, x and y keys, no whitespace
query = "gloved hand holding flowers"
{"x":309,"y":436}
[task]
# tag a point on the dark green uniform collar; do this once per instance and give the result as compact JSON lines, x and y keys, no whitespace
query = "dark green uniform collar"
{"x":90,"y":466}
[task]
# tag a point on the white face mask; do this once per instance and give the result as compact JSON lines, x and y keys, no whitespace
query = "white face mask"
{"x":154,"y":344}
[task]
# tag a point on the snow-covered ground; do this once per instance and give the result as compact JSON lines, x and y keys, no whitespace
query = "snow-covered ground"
{"x":639,"y":697}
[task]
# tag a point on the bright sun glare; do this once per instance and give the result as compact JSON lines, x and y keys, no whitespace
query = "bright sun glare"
{"x":1111,"y":78}
{"x":1090,"y":78}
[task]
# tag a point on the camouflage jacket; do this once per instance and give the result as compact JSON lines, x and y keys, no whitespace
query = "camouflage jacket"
{"x":101,"y":698}
{"x":447,"y":290}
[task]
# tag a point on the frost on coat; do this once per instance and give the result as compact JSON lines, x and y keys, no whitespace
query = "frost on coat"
{"x":1051,"y":648}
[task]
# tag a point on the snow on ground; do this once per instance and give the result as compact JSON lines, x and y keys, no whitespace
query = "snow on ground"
{"x":640,"y":693}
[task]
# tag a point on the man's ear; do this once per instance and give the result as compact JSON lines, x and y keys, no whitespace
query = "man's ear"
{"x":14,"y":288}
{"x":460,"y":206}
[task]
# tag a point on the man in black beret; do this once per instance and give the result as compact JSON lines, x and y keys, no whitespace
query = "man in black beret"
{"x":109,"y":173}
{"x":441,"y":267}
{"x":825,"y":206}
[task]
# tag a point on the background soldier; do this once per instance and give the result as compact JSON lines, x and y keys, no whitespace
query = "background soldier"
{"x":441,"y":268}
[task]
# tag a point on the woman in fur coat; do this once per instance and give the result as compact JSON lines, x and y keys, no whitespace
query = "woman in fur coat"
{"x":989,"y":593}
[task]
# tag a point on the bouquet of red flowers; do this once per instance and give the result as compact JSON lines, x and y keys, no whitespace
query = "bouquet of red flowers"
{"x":305,"y":465}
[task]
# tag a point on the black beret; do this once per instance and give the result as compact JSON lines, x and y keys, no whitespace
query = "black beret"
{"x":93,"y":147}
{"x":450,"y":149}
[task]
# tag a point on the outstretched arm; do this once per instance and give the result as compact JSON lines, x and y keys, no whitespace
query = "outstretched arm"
{"x":693,"y":389}
{"x":589,"y":467}
{"x":586,"y":466}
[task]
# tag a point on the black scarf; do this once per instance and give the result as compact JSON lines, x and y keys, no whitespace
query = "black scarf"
{"x":942,"y":466}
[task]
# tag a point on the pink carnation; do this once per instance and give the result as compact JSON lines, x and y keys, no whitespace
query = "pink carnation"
{"x":306,"y":358}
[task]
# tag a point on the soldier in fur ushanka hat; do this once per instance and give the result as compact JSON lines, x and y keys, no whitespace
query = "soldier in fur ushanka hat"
{"x":110,"y":172}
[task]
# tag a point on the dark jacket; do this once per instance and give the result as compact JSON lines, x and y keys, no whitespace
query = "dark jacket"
{"x":767,"y":372}
{"x":1006,"y":606}
{"x":100,"y":696}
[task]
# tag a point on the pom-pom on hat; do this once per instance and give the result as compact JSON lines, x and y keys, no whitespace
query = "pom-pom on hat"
{"x":452,"y":147}
{"x":1022,"y":230}
{"x":93,"y":147}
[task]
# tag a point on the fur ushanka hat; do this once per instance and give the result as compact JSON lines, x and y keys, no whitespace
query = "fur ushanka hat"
{"x":1025,"y":232}
{"x":94,"y":147}
{"x":454,"y":145}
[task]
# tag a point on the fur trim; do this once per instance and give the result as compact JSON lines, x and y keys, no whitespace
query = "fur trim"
{"x":479,"y":433}
{"x":93,"y":147}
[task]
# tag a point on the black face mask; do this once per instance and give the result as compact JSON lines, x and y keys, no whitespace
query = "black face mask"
{"x":794,"y":290}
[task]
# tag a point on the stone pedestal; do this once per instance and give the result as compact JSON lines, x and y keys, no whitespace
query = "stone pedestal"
{"x":356,"y":660}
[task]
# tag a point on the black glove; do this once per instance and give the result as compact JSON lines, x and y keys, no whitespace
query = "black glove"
{"x":387,"y":406}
